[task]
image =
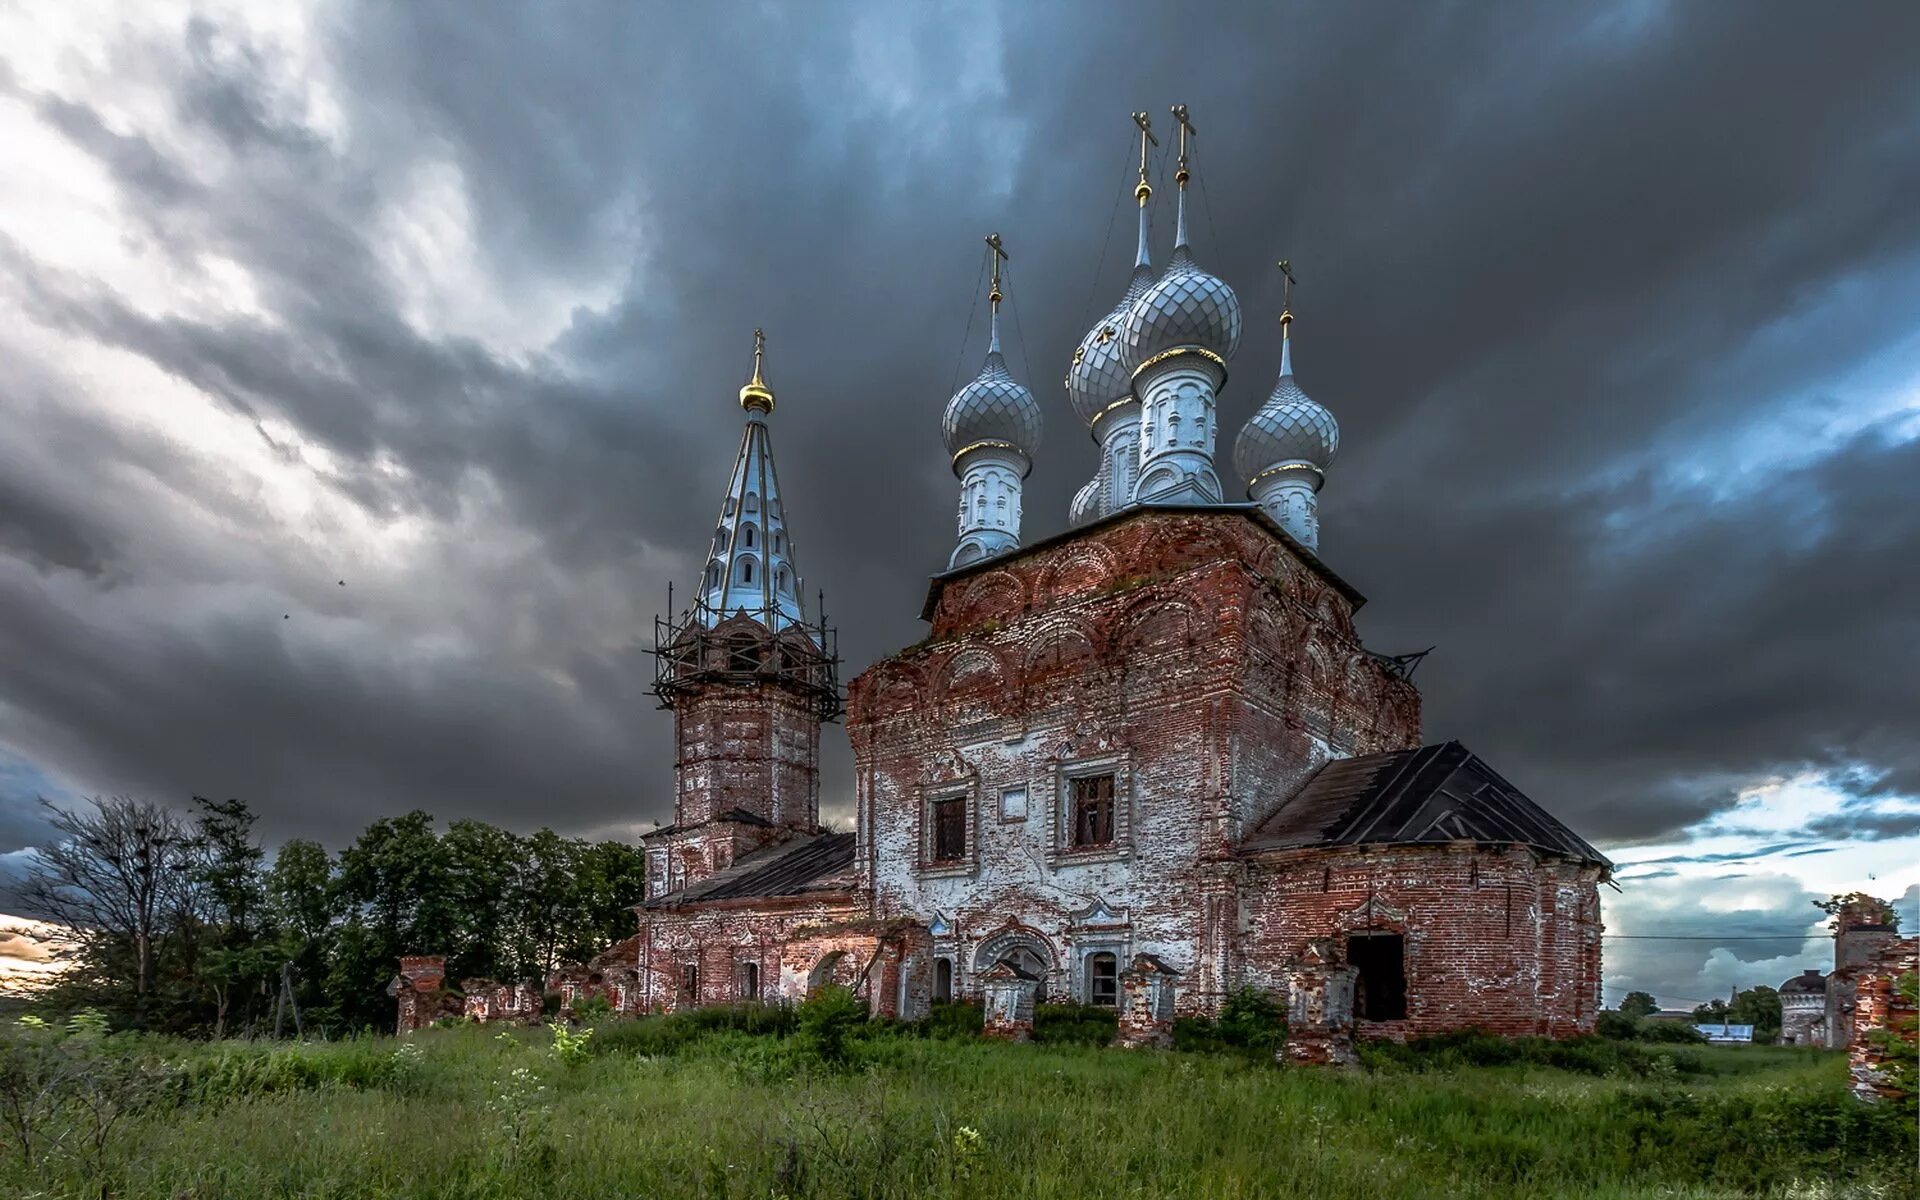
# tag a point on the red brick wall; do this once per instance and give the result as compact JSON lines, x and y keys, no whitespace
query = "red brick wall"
{"x":750,"y":746}
{"x":1502,"y":940}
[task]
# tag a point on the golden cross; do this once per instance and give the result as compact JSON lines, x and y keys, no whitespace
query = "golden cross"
{"x":1186,"y":129}
{"x":999,"y":253}
{"x":759,"y":349}
{"x":1145,"y":123}
{"x":1286,"y":269}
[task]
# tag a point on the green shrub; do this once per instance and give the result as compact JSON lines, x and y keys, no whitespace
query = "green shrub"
{"x":954,"y":1020}
{"x":1677,"y":1033}
{"x":1254,"y":1021}
{"x":826,"y":1020}
{"x":591,"y":1009}
{"x":1074,"y":1024}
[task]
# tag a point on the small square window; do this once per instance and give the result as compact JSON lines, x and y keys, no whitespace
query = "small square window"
{"x":1013,"y":804}
{"x":950,"y":829}
{"x":1092,"y":810}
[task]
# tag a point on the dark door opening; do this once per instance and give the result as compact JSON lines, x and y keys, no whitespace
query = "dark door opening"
{"x":1380,"y":993}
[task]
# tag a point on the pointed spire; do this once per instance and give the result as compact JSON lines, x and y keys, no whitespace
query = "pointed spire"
{"x":1143,"y":192}
{"x":1286,"y":318}
{"x":757,"y":396}
{"x":994,"y":297}
{"x":1180,"y":177}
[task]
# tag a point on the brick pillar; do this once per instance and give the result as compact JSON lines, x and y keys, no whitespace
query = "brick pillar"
{"x":1146,"y":1004}
{"x":1879,"y":1007}
{"x":1009,"y":1002}
{"x":1320,"y":1007}
{"x":417,"y":989}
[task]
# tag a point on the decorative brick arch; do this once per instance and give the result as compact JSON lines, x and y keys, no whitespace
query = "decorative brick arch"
{"x":995,"y":596}
{"x":1086,"y":569}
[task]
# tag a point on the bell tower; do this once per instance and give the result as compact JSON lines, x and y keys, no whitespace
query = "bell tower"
{"x":748,"y":679}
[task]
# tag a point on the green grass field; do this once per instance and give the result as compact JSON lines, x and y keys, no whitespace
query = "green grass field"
{"x":653,"y":1109}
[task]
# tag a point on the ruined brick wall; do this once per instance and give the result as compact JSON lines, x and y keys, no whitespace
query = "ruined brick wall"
{"x":420,"y":993}
{"x":1195,"y":656}
{"x":1879,"y":1008}
{"x":1501,"y":940}
{"x":721,"y":939}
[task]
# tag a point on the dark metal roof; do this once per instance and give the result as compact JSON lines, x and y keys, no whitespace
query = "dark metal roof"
{"x":1809,"y":980}
{"x":807,"y":863}
{"x":733,"y":814}
{"x":1251,"y":511}
{"x":1435,"y":794}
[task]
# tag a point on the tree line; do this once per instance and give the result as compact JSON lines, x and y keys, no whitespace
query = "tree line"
{"x":182,"y":922}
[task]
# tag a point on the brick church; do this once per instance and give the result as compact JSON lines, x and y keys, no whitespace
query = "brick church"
{"x":1143,"y":762}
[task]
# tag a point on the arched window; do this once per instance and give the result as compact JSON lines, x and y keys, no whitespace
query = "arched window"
{"x":943,"y":981}
{"x":746,"y":536}
{"x":720,"y":540}
{"x":780,"y":580}
{"x":1103,"y":980}
{"x":726,"y":510}
{"x":779,"y":542}
{"x":713,"y":575}
{"x":749,"y":981}
{"x":751,"y":503}
{"x":746,"y":570}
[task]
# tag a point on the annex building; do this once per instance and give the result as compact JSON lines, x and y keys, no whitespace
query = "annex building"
{"x":1141,"y":762}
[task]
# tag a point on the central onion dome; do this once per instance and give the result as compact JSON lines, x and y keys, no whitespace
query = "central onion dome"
{"x":1187,"y":308}
{"x":1290,"y":429}
{"x":992,"y":411}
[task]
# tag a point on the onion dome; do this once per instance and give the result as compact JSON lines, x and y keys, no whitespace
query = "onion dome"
{"x":1187,"y":308}
{"x":992,"y":410}
{"x":1290,"y":429}
{"x":1086,"y":504}
{"x":1098,"y":380}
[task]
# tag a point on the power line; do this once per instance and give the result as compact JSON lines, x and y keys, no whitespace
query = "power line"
{"x":968,"y":335}
{"x":1707,"y":937}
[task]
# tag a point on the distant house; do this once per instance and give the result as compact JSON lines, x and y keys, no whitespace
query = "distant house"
{"x":1728,"y":1034}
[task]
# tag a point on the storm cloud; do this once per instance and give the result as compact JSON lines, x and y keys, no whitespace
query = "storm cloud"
{"x":369,"y":370}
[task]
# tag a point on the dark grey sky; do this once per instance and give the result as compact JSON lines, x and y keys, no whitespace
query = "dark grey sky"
{"x":1615,"y":306}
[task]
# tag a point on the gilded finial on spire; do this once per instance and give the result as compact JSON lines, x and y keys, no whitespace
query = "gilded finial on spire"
{"x":1286,"y":298}
{"x":1144,"y":191}
{"x":757,"y":395}
{"x":1186,"y":129}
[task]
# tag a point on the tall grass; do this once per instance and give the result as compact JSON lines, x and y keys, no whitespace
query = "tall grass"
{"x":704,"y":1107}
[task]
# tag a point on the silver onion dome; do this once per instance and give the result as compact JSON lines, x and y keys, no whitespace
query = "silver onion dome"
{"x":1098,"y":379}
{"x":1186,"y":308}
{"x":1290,"y":428}
{"x":992,"y":410}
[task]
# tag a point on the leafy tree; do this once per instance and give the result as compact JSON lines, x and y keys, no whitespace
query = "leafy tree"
{"x":301,"y":900}
{"x":392,"y":887}
{"x":1756,"y":1006}
{"x":230,"y":913}
{"x":482,"y":876}
{"x":1639,"y":1004}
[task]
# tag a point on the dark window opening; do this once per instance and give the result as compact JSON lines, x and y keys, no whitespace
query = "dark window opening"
{"x":943,"y":981}
{"x":1093,"y":810}
{"x":746,"y":536}
{"x":690,"y":980}
{"x":1103,"y":980}
{"x":950,"y":829}
{"x":1380,"y":993}
{"x":749,"y":981}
